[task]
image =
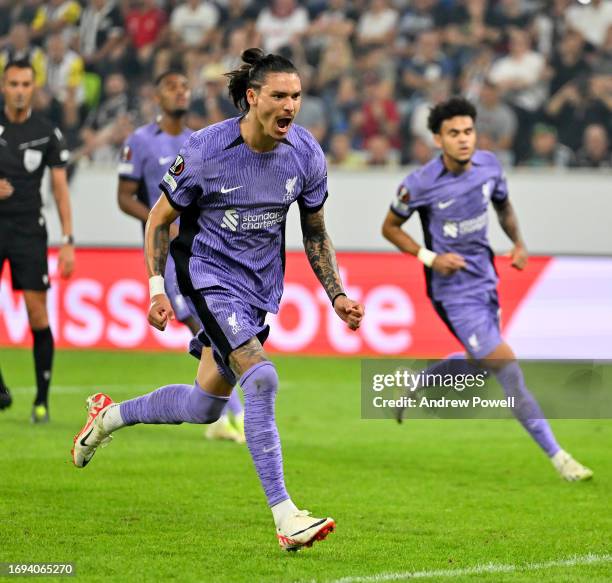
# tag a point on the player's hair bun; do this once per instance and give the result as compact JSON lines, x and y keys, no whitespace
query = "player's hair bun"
{"x":252,"y":73}
{"x":253,"y":56}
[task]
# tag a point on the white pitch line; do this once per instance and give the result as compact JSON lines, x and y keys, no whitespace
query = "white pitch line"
{"x":589,"y":559}
{"x":76,"y":389}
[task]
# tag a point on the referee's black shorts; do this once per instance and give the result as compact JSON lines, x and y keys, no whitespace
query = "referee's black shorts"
{"x":23,"y":242}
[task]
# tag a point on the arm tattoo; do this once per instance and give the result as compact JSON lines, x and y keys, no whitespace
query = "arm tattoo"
{"x":321,"y":253}
{"x":161,"y":243}
{"x":508,"y":221}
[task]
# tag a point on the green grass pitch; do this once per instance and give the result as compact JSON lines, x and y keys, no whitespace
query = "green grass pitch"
{"x":163,"y":504}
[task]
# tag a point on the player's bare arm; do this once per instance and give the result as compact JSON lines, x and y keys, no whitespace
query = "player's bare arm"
{"x":157,"y":243}
{"x":509,"y":223}
{"x":59,"y":186}
{"x":128,"y":203}
{"x":6,"y":188}
{"x":444,"y":263}
{"x":322,"y":257}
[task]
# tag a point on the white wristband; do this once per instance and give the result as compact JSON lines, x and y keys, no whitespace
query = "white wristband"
{"x":156,"y":286}
{"x":426,"y":256}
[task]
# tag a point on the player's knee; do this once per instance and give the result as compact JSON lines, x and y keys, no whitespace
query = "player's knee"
{"x":38,"y":318}
{"x":261,"y":378}
{"x":37,"y":312}
{"x":203,"y":407}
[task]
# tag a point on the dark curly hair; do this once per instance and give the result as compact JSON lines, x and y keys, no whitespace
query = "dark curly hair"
{"x":253,"y":73}
{"x":448,"y":109}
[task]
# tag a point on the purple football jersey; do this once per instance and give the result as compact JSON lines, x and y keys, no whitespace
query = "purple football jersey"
{"x":453,"y":212}
{"x":234,"y":204}
{"x":145,"y":157}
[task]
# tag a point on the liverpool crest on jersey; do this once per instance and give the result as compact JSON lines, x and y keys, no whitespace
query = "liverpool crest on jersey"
{"x":289,"y":188}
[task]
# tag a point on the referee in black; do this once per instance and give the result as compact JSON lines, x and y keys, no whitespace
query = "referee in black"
{"x":29,"y":143}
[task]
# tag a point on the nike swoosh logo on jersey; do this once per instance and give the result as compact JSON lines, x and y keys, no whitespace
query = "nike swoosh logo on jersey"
{"x":226,"y":190}
{"x":269,"y":449}
{"x":166,"y":160}
{"x":445,"y":204}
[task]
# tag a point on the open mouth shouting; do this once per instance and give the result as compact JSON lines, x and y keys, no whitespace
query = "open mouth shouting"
{"x":283,"y":124}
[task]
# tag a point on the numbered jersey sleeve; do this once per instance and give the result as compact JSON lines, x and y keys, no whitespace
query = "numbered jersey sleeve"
{"x":132,"y":159}
{"x":182,"y":183}
{"x":314,"y":194}
{"x":406,"y":199}
{"x":57,"y":155}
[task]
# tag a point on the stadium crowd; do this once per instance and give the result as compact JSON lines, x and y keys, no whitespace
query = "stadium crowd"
{"x":540,"y":72}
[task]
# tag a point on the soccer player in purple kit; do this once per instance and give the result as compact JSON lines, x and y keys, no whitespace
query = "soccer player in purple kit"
{"x":145,"y":157}
{"x":451,"y":193}
{"x":232,"y":184}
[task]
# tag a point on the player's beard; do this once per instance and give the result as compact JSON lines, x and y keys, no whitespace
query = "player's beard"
{"x":178,"y":113}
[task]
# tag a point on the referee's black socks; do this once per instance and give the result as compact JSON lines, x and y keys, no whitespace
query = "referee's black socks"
{"x":2,"y":385}
{"x":43,"y":361}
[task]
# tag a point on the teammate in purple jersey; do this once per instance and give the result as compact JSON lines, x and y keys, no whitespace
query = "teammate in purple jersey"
{"x":451,"y":194}
{"x":146,"y":155}
{"x":232,"y":184}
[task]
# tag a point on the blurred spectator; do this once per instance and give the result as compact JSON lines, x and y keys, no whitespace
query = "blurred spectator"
{"x":20,"y":48}
{"x":345,"y":107}
{"x":65,"y":70}
{"x":379,"y":114}
{"x":419,"y":16}
{"x":370,"y":67}
{"x":192,"y":23}
{"x":436,"y":93}
{"x":5,"y":21}
{"x":509,"y":15}
{"x":281,"y":24}
{"x":57,"y":16}
{"x":496,"y":122}
{"x":24,"y":11}
{"x":591,"y":20}
{"x":425,"y":68}
{"x":100,"y":131}
{"x":342,"y":155}
{"x":581,"y":103}
{"x":568,"y":62}
{"x":214,"y":106}
{"x":145,"y":23}
{"x":519,"y":76}
{"x":420,"y":152}
{"x":603,"y":58}
{"x":476,"y":71}
{"x":595,"y":151}
{"x":379,"y":152}
{"x":466,"y":28}
{"x":335,"y":23}
{"x":102,"y":44}
{"x":377,"y":25}
{"x":312,"y":113}
{"x":546,"y":151}
{"x":550,"y":26}
{"x":335,"y":62}
{"x":237,"y":42}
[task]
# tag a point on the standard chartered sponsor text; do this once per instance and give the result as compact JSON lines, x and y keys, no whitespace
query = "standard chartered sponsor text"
{"x":250,"y":221}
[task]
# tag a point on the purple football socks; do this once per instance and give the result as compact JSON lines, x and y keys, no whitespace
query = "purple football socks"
{"x":260,"y":384}
{"x":174,"y":404}
{"x":526,"y":409}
